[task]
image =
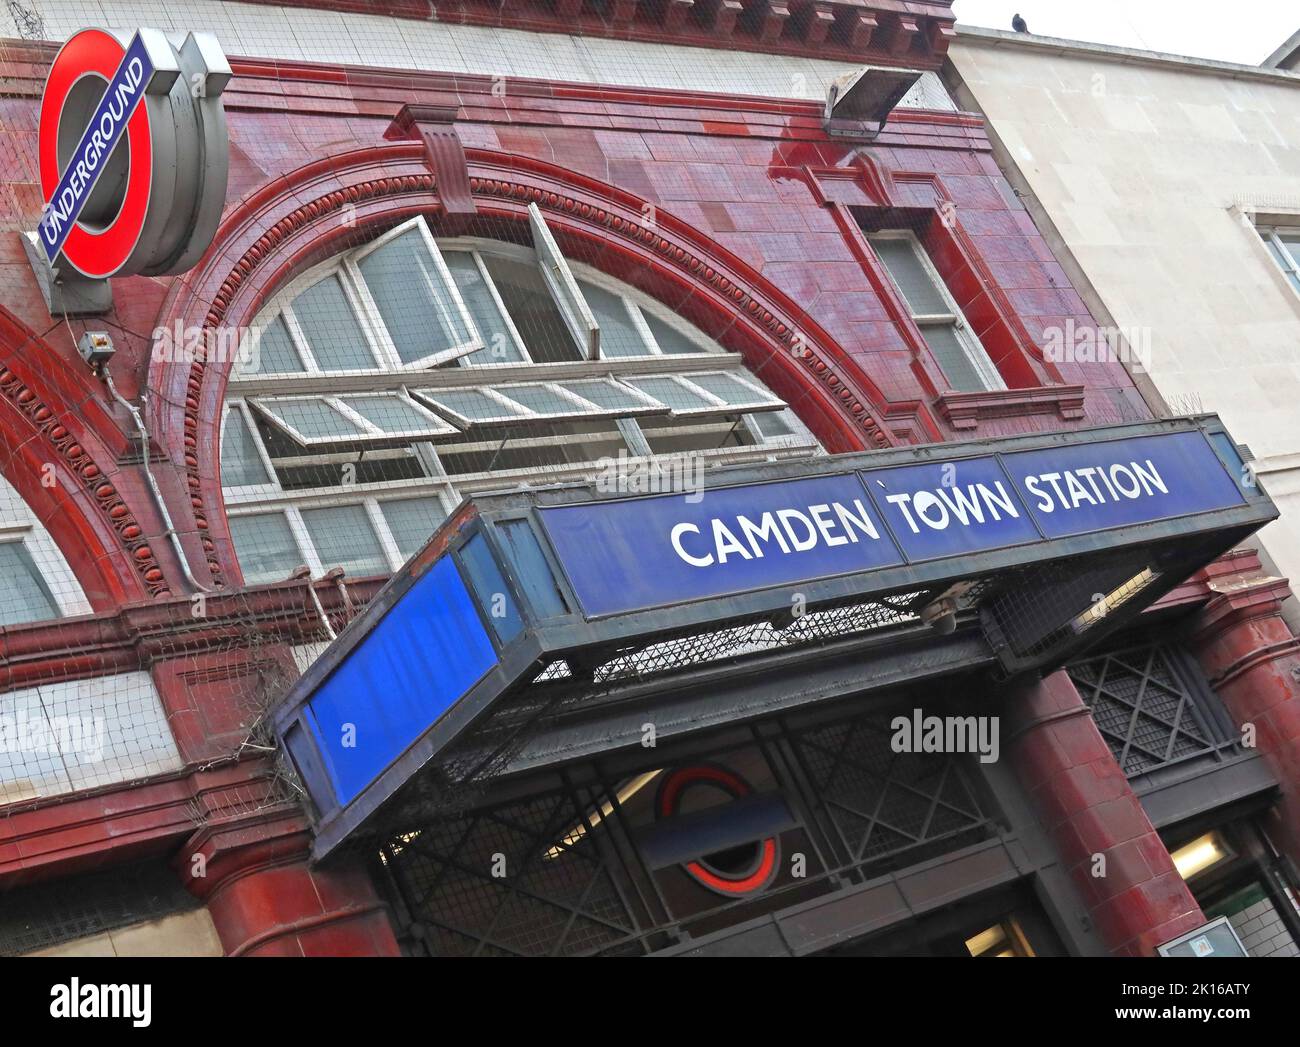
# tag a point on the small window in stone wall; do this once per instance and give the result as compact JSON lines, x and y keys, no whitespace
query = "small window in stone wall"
{"x":1150,"y":704}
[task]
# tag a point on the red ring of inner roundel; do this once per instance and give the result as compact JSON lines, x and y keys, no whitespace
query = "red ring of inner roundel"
{"x":669,"y":795}
{"x":104,"y":253}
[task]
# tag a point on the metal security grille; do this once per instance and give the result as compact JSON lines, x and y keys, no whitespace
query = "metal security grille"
{"x":1142,"y":707}
{"x":562,"y":872}
{"x":494,"y":883}
{"x":47,"y":914}
{"x":888,"y":807}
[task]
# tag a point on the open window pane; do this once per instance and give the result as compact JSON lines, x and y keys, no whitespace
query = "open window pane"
{"x":331,"y":328}
{"x":344,"y":537}
{"x":24,"y":596}
{"x":241,"y":464}
{"x":266,"y":547}
{"x":412,"y":521}
{"x":614,"y":396}
{"x":530,"y":305}
{"x":469,"y":405}
{"x":543,"y":400}
{"x":396,"y":415}
{"x":673,"y":394}
{"x":274,"y":352}
{"x":563,"y":287}
{"x":911,"y":277}
{"x":731,"y":390}
{"x":499,"y":345}
{"x":417,"y":301}
{"x":310,"y":420}
{"x":618,"y":334}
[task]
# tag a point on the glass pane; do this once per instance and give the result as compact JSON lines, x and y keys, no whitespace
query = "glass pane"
{"x":275,"y":353}
{"x":951,"y":353}
{"x":417,"y":307}
{"x":911,"y":277}
{"x":542,"y":400}
{"x":670,"y":340}
{"x":412,"y":521}
{"x":618,"y":335}
{"x":490,"y":588}
{"x":608,"y":395}
{"x":673,"y":394}
{"x":530,"y":306}
{"x":266,"y":547}
{"x":498,"y":343}
{"x":332,"y":328}
{"x":241,"y":465}
{"x":24,"y":596}
{"x":729,"y":389}
{"x":772,"y":424}
{"x":1292,"y":244}
{"x":344,"y":538}
{"x":469,"y":403}
{"x":315,"y":419}
{"x":392,"y":414}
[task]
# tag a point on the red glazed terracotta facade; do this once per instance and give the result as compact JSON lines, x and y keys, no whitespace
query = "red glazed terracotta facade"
{"x":756,"y":239}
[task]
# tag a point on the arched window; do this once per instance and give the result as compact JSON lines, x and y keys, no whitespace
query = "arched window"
{"x":385,"y":385}
{"x":36,"y":582}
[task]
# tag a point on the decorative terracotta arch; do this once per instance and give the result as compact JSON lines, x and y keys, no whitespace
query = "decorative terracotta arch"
{"x":64,"y":472}
{"x":330,"y":205}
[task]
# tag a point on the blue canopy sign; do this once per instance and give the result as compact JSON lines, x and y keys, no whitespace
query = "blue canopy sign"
{"x":635,"y":554}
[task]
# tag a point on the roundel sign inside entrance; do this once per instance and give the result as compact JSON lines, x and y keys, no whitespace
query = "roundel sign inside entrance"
{"x":132,"y":150}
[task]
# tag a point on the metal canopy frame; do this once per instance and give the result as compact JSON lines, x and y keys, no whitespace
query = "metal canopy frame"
{"x":553,"y":630}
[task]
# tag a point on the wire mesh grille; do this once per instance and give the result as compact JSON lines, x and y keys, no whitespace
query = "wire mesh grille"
{"x":546,"y":875}
{"x":1144,"y":711}
{"x":888,"y":807}
{"x":46,"y":914}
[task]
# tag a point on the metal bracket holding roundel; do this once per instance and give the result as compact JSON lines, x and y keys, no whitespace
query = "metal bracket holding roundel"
{"x":859,"y":103}
{"x":133,"y":156}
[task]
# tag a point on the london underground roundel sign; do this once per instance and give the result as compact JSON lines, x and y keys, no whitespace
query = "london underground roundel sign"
{"x":132,"y":150}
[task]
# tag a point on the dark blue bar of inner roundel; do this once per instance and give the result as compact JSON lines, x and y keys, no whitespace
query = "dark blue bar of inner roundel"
{"x":619,"y":556}
{"x":1195,"y":478}
{"x":950,"y":508}
{"x":421,"y":658}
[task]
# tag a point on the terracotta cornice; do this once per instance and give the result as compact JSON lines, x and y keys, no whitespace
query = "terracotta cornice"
{"x":965,"y":411}
{"x":141,"y":634}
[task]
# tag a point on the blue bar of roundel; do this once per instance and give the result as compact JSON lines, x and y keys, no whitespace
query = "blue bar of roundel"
{"x":619,"y":555}
{"x":1186,"y":464}
{"x":950,"y":508}
{"x":423,"y":656}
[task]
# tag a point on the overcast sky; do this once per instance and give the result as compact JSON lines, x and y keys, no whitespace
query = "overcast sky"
{"x":1245,"y":31}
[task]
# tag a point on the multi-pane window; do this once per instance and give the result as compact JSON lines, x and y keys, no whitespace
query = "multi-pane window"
{"x":36,"y":583}
{"x":391,"y":382}
{"x":953,"y":344}
{"x":1284,"y":244}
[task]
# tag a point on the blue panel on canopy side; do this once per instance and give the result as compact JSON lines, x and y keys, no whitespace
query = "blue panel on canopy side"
{"x":421,"y":658}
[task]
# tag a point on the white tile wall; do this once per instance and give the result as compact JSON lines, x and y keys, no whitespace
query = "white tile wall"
{"x":300,"y":34}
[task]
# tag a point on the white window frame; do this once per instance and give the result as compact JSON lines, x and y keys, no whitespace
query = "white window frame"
{"x":370,"y":433}
{"x":469,"y":246}
{"x":983,"y":364}
{"x":769,"y":401}
{"x":18,"y":523}
{"x":564,"y":289}
{"x":1288,"y":262}
{"x":241,"y":408}
{"x":352,"y":263}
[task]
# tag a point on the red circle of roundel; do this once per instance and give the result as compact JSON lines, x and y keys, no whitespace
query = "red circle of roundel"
{"x":671,"y":791}
{"x":93,"y":51}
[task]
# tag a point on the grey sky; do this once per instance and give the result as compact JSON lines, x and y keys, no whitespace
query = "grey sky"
{"x":1247,"y":31}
